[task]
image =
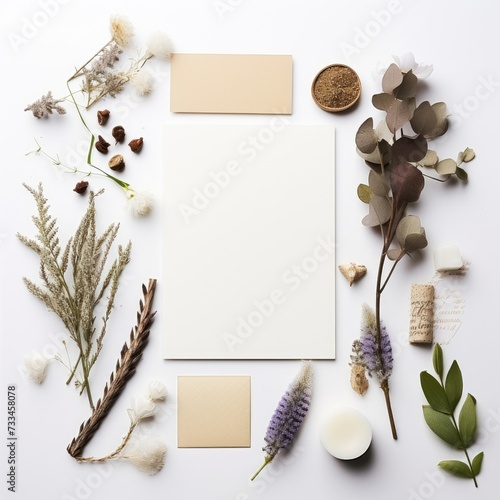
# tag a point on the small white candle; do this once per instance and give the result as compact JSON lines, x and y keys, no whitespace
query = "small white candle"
{"x":345,"y":433}
{"x":447,"y":258}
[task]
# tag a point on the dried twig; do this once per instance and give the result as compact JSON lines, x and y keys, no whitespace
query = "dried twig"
{"x":125,"y":368}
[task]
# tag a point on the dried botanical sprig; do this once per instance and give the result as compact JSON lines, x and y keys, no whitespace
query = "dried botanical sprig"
{"x":443,"y":396}
{"x":45,"y":106}
{"x":125,"y":368}
{"x":288,"y":416}
{"x":74,"y":280}
{"x":397,"y":152}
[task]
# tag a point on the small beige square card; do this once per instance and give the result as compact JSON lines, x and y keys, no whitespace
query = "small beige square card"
{"x":213,"y":412}
{"x":231,"y":83}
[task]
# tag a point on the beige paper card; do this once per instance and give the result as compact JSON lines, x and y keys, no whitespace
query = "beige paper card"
{"x":213,"y":412}
{"x":227,"y":83}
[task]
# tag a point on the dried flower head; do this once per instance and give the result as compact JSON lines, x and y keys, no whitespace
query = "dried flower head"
{"x":122,"y":30}
{"x":141,"y":408}
{"x":141,"y":82}
{"x":36,"y":366}
{"x":159,"y":45}
{"x":45,"y":106}
{"x":118,"y":133}
{"x":156,"y":391}
{"x":116,"y":163}
{"x":289,"y":415}
{"x":102,"y":145}
{"x":146,"y":452}
{"x":103,"y":116}
{"x":140,"y":203}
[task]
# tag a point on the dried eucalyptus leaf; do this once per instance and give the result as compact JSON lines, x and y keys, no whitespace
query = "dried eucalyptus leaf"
{"x":437,"y":360}
{"x":414,"y":241}
{"x":407,"y":183}
{"x":461,"y":174}
{"x":477,"y":461}
{"x":468,"y":155}
{"x":392,"y":78}
{"x":378,"y":183}
{"x":442,"y":426}
{"x":446,"y":167}
{"x":408,"y":87}
{"x":382,"y":101}
{"x":456,"y":467}
{"x":430,"y":159}
{"x":467,"y":421}
{"x":366,"y":139}
{"x":434,"y":393}
{"x":410,"y":234}
{"x":442,"y":120}
{"x":424,"y":119}
{"x":383,"y":132}
{"x":410,"y":150}
{"x":398,"y":114}
{"x":395,"y":253}
{"x":454,"y":385}
{"x":364,"y":193}
{"x":379,"y":212}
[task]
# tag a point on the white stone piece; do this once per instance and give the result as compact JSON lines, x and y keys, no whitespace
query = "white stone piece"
{"x":447,"y":258}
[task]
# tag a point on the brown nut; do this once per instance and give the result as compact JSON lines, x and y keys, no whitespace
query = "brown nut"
{"x":81,"y":187}
{"x":116,"y":163}
{"x":136,"y":144}
{"x":118,"y":133}
{"x":101,"y":145}
{"x":103,"y":116}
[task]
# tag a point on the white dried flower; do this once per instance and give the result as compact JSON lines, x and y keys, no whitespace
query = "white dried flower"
{"x":36,"y":366}
{"x":141,"y":408}
{"x":142,"y":82}
{"x":160,"y":45}
{"x":122,"y":30}
{"x":407,"y":62}
{"x":156,"y":391}
{"x":140,"y":203}
{"x":147,"y":453}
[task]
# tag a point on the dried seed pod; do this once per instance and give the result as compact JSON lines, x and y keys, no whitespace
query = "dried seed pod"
{"x":103,"y":116}
{"x":101,"y":145}
{"x":118,"y":133}
{"x":136,"y":144}
{"x":352,"y":272}
{"x":81,"y":187}
{"x":116,"y":163}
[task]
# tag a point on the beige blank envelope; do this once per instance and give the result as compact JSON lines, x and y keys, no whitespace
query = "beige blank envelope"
{"x":227,"y":83}
{"x":213,"y":412}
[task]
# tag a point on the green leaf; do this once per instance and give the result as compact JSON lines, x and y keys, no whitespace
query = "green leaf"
{"x":434,"y":393}
{"x":437,"y":360}
{"x":467,"y":421}
{"x":457,"y":468}
{"x":477,"y":462}
{"x":442,"y":426}
{"x":364,"y":193}
{"x":461,"y":174}
{"x":453,"y":385}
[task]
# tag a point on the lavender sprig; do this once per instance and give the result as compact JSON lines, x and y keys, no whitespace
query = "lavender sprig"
{"x":373,"y":352}
{"x":288,"y":416}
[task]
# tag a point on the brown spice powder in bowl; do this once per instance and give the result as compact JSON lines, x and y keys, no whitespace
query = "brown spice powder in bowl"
{"x":336,"y":88}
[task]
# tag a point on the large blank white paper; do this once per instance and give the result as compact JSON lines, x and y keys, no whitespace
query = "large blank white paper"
{"x":248,"y":241}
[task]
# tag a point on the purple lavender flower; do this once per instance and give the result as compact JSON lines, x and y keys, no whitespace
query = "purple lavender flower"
{"x":377,"y":358}
{"x":289,"y":415}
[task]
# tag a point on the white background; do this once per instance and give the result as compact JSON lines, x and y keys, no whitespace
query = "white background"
{"x":41,"y":44}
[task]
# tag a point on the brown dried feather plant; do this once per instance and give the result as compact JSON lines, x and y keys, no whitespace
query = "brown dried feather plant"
{"x":74,"y":280}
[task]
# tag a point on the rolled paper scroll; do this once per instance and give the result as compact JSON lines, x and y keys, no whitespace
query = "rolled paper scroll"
{"x":422,"y":314}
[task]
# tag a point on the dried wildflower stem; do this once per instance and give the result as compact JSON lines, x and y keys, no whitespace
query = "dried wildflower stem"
{"x":79,"y":72}
{"x":125,"y":368}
